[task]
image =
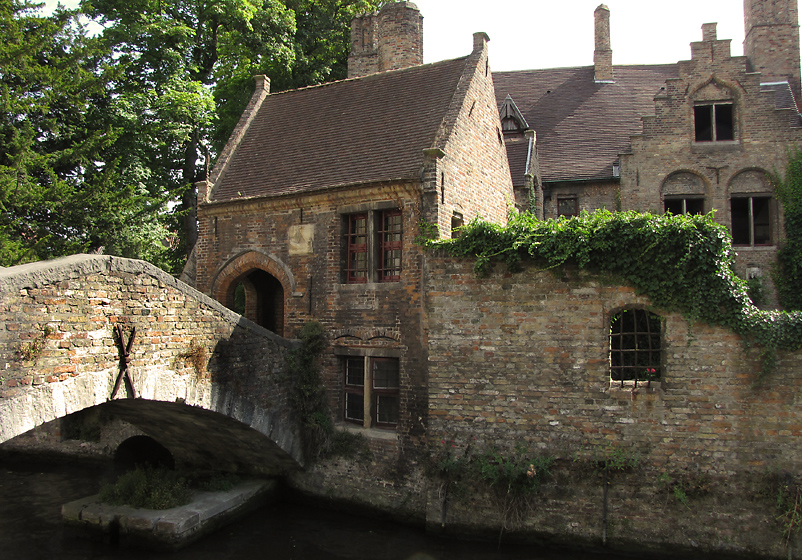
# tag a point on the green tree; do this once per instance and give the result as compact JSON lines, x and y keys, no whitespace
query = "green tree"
{"x":104,"y":136}
{"x":170,"y":54}
{"x":57,"y":192}
{"x":788,"y":273}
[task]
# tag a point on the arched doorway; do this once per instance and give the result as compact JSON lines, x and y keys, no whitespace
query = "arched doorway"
{"x":259,"y":296}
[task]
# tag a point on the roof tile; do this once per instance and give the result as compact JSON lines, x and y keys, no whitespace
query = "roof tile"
{"x":356,"y":131}
{"x":582,"y":126}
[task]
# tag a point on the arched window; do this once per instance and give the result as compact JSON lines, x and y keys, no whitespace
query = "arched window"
{"x":635,"y":346}
{"x":684,"y":193}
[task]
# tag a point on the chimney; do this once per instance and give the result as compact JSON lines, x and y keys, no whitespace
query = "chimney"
{"x":388,"y":40}
{"x":603,"y":55}
{"x":771,"y":40}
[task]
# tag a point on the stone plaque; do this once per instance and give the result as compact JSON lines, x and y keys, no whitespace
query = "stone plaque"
{"x":301,"y":238}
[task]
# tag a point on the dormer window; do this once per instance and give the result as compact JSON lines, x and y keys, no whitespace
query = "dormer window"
{"x":510,"y":125}
{"x":714,"y":122}
{"x":512,"y":121}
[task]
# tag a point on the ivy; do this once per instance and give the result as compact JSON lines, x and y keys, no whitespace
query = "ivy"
{"x":682,"y":263}
{"x":320,"y":438}
{"x":788,"y":273}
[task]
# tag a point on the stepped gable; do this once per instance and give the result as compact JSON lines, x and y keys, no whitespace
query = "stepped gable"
{"x":351,"y":132}
{"x":581,"y":126}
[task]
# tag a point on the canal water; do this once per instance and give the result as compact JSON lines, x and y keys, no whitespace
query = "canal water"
{"x":31,"y":494}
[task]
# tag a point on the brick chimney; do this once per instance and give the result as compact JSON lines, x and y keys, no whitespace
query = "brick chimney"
{"x":771,"y":40}
{"x":603,"y":55}
{"x":387,"y":40}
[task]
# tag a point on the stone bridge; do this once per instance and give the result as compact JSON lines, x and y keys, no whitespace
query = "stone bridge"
{"x":203,"y":381}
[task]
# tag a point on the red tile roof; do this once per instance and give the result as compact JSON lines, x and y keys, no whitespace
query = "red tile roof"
{"x":581,"y":126}
{"x":351,"y":132}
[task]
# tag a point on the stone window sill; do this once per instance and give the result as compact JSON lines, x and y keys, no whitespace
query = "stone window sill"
{"x":642,"y":387}
{"x":370,"y":286}
{"x":370,"y":433}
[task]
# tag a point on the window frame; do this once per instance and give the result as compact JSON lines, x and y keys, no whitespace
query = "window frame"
{"x":636,"y":362}
{"x":390,"y":241}
{"x":562,"y":199}
{"x":370,"y":394}
{"x":715,"y":124}
{"x":750,"y":218}
{"x":684,"y":200}
{"x":375,"y":252}
{"x":356,"y":273}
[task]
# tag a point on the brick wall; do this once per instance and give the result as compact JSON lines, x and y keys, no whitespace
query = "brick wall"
{"x":523,"y":358}
{"x":468,"y":172}
{"x":378,"y":317}
{"x":81,"y":299}
{"x":388,"y":40}
{"x":772,"y":40}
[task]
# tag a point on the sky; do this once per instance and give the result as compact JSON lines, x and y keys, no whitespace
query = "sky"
{"x":527,"y":34}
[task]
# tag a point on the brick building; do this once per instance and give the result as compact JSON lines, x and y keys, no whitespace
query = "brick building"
{"x":695,"y":136}
{"x":312,"y":209}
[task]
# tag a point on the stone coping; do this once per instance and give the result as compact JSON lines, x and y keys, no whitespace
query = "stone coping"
{"x":169,"y":529}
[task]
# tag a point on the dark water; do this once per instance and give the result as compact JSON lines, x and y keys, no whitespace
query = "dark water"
{"x":31,"y":494}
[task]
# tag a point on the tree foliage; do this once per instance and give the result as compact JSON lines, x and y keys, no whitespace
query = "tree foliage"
{"x":788,"y":275}
{"x":104,"y":136}
{"x":170,"y":54}
{"x":58,"y":191}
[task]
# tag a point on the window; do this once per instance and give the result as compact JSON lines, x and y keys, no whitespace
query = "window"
{"x":356,"y":242}
{"x":678,"y":206}
{"x":372,"y":247}
{"x":635,"y":342}
{"x":714,"y":123}
{"x":457,"y":222}
{"x":568,"y":206}
{"x":390,"y":240}
{"x":751,"y":220}
{"x":371,"y":391}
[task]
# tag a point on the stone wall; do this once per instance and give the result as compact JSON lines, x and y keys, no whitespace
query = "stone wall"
{"x":523,"y":359}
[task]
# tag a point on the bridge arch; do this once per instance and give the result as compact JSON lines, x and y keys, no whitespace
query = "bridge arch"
{"x":199,"y":371}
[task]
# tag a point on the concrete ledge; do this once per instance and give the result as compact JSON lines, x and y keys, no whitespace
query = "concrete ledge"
{"x":168,"y":529}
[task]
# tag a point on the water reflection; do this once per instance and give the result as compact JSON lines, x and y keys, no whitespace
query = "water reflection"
{"x":31,"y":495}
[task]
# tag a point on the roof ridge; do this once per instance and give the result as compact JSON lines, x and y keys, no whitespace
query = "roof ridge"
{"x":585,"y":67}
{"x":375,"y":75}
